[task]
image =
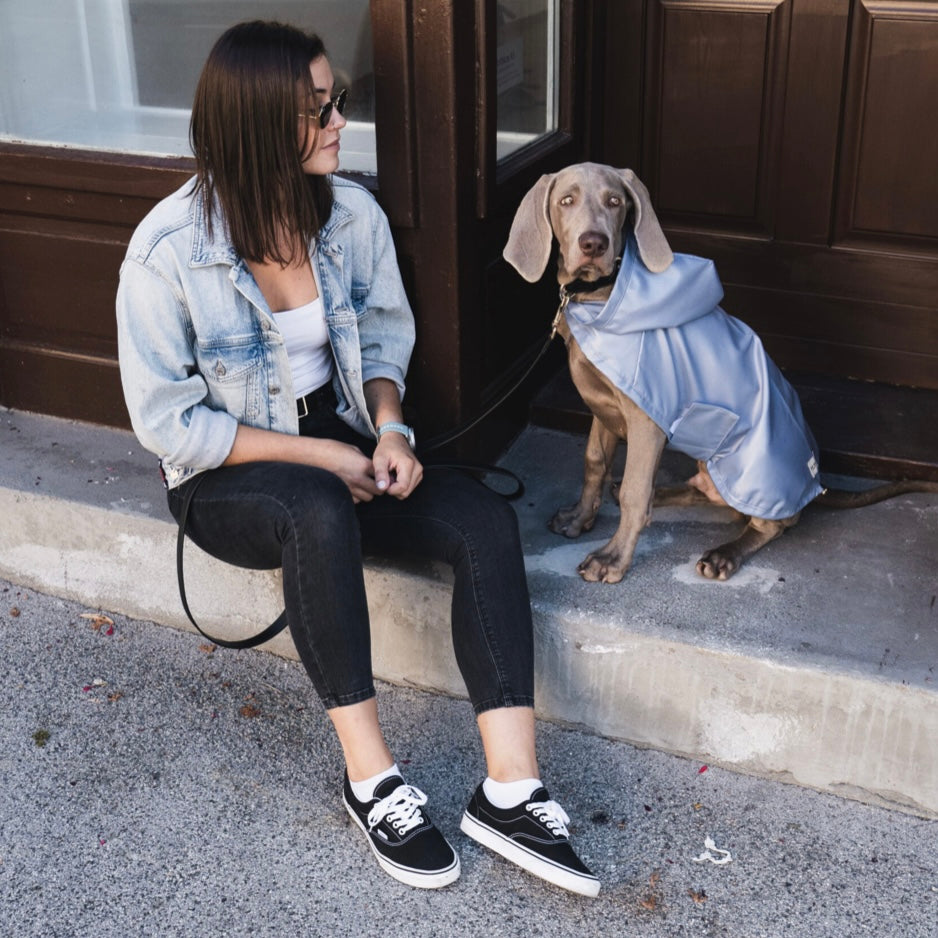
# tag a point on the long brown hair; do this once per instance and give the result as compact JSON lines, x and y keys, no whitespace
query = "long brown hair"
{"x":254,"y":84}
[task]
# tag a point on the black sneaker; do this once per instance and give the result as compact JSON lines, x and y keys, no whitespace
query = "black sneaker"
{"x":534,"y":835}
{"x":402,"y":837}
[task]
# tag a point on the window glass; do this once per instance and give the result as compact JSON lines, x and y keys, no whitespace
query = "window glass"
{"x":120,"y":74}
{"x":527,"y":54}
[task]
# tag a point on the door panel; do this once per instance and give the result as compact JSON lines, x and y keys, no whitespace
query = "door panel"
{"x":714,"y":93}
{"x":65,"y":219}
{"x":889,"y":181}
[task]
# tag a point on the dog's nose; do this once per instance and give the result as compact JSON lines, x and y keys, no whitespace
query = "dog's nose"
{"x":593,"y":243}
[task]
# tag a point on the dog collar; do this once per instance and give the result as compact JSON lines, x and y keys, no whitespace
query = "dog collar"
{"x":589,"y":286}
{"x":568,"y":290}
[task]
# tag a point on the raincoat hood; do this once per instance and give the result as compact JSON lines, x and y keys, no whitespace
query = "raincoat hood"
{"x":640,"y":300}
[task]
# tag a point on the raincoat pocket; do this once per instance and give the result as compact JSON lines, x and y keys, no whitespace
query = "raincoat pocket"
{"x":701,"y":429}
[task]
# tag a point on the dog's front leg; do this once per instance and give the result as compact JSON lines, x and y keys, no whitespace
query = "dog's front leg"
{"x":645,"y":445}
{"x":600,"y":450}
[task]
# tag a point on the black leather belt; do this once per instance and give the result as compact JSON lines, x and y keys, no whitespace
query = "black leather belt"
{"x":316,"y":400}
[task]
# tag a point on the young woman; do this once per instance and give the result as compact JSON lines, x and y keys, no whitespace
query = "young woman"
{"x":264,"y":336}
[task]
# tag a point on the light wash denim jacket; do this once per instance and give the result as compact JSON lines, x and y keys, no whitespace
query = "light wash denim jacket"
{"x":200,"y":351}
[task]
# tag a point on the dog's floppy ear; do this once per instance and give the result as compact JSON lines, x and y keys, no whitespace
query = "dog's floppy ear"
{"x":652,"y":244}
{"x":528,"y":247}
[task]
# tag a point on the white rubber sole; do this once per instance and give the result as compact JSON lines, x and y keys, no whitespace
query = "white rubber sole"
{"x":528,"y":860}
{"x":404,"y":874}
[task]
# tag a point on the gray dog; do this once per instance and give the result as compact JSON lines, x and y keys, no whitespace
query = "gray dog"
{"x":657,"y":361}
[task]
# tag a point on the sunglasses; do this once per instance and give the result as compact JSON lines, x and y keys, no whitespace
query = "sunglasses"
{"x":324,"y":114}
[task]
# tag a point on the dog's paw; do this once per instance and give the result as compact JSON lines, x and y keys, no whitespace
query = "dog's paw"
{"x":571,"y":522}
{"x":602,"y":567}
{"x":718,"y":564}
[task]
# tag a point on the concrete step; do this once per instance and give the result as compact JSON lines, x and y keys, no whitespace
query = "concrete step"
{"x":817,"y":664}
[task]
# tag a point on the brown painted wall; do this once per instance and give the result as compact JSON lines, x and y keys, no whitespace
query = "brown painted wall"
{"x":65,"y":219}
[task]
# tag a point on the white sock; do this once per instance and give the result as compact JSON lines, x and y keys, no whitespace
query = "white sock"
{"x":365,"y":790}
{"x":509,"y":794}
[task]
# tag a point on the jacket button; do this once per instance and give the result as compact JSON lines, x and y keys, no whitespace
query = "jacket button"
{"x":274,"y":390}
{"x":220,"y":369}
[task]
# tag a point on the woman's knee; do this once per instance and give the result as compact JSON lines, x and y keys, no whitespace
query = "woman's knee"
{"x":318,"y":498}
{"x":481,"y":520}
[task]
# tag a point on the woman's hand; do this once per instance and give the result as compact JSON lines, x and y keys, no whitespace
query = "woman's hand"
{"x":352,"y":466}
{"x":397,"y":470}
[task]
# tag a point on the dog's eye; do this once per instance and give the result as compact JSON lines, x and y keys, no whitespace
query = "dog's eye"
{"x":614,"y":201}
{"x":567,"y":200}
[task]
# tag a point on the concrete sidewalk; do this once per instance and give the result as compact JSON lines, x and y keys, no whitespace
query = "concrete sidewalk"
{"x":816,"y":664}
{"x":152,"y":786}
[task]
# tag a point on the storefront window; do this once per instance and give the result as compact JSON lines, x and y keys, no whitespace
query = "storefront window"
{"x":527,"y":54}
{"x":120,"y":74}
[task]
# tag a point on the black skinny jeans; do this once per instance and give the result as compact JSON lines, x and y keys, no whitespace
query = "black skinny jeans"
{"x":266,"y":515}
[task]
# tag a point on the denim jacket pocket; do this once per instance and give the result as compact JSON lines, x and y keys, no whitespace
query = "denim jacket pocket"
{"x":701,"y":429}
{"x":231,"y":369}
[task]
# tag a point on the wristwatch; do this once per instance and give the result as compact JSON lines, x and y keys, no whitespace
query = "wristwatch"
{"x":402,"y":428}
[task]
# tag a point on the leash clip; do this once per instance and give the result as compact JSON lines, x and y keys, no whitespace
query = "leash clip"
{"x":564,"y":302}
{"x":577,"y":286}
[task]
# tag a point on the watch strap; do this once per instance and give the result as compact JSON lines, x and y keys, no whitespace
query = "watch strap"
{"x":394,"y":427}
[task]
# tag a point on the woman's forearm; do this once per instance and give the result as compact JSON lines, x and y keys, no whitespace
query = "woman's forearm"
{"x":383,"y":401}
{"x":349,"y":463}
{"x":253,"y":444}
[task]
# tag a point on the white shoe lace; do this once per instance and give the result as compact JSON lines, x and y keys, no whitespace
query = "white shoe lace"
{"x":551,"y":815}
{"x":401,"y":808}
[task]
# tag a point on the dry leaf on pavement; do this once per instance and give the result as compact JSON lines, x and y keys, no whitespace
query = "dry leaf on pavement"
{"x":97,"y":620}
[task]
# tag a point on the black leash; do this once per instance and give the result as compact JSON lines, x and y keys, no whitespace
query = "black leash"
{"x":437,"y":441}
{"x":478,"y":469}
{"x":475,"y":468}
{"x":567,"y":291}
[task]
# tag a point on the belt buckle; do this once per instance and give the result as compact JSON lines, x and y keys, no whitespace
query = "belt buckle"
{"x":305,"y":413}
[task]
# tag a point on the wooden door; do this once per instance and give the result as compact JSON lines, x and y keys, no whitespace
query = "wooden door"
{"x":796,"y":143}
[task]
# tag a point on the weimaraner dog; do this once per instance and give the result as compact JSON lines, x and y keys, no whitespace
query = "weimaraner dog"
{"x":592,"y":210}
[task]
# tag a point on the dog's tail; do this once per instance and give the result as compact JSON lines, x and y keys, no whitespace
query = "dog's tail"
{"x":840,"y":498}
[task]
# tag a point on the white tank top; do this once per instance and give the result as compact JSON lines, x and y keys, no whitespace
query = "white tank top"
{"x":306,"y":337}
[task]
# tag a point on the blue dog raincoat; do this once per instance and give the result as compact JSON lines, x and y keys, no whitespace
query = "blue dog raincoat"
{"x":704,"y":378}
